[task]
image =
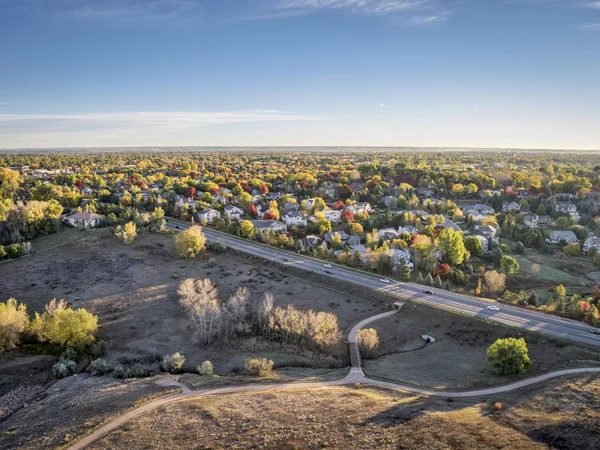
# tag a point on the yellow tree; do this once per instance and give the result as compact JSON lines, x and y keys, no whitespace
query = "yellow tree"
{"x":190,"y":242}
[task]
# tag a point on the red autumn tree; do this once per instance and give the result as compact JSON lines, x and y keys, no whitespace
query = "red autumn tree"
{"x":338,"y":205}
{"x":252,"y":210}
{"x":79,"y":184}
{"x":269,"y":216}
{"x":347,"y":216}
{"x":442,"y":270}
{"x":190,"y":192}
{"x":264,"y":189}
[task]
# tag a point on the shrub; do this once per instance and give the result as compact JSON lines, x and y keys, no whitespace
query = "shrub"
{"x":173,"y":363}
{"x":136,"y":371}
{"x":509,"y":356}
{"x":368,"y":338}
{"x":99,"y":367}
{"x":13,"y":250}
{"x":64,"y":368}
{"x":190,"y":242}
{"x":258,"y":367}
{"x":69,"y":355}
{"x":98,"y":349}
{"x":206,"y":368}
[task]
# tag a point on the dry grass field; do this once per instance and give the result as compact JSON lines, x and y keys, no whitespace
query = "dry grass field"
{"x":564,"y":414}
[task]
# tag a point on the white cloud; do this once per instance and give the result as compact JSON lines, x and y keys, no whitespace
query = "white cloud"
{"x":136,"y":122}
{"x":426,"y":20}
{"x":383,"y":106}
{"x":366,"y":6}
{"x":593,"y":5}
{"x":590,"y":26}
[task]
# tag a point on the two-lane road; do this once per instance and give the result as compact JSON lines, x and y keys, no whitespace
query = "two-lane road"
{"x":463,"y":304}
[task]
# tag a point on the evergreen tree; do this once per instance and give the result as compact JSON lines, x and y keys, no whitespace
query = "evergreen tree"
{"x":420,"y":278}
{"x":534,"y":299}
{"x":438,"y":282}
{"x":429,"y":280}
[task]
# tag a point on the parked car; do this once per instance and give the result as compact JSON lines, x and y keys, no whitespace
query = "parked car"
{"x":428,"y":292}
{"x":493,"y":308}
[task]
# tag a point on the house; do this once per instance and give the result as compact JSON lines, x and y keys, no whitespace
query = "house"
{"x":361,"y":207}
{"x":490,"y":192}
{"x":333,"y":215}
{"x":329,"y":236}
{"x":330,"y":190}
{"x":311,"y":242}
{"x":354,"y":240}
{"x":590,"y":243}
{"x":567,"y":208}
{"x":233,"y":212}
{"x":531,"y":220}
{"x":87,"y":191}
{"x":209,"y":214}
{"x":388,"y":234}
{"x":269,"y":225}
{"x":448,"y":224}
{"x":558,"y":237}
{"x":424,"y":192}
{"x":409,"y":229}
{"x":261,"y":209}
{"x":484,"y":242}
{"x":85,"y":220}
{"x":273,"y":196}
{"x":479,"y":210}
{"x":487,"y":232}
{"x":390,"y":201}
{"x":289,"y":206}
{"x":522,"y":193}
{"x":545,"y":221}
{"x":295,"y":219}
{"x":510,"y":207}
{"x":396,"y":255}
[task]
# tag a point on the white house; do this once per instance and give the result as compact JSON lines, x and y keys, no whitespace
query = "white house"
{"x":388,"y":234}
{"x":269,"y":225}
{"x":85,"y":220}
{"x":209,"y":214}
{"x":479,"y":210}
{"x":333,"y":215}
{"x":233,"y":212}
{"x":360,"y":207}
{"x":295,"y":219}
{"x":531,"y":220}
{"x":511,"y":207}
{"x":590,"y":243}
{"x":567,"y":208}
{"x":558,"y":237}
{"x":398,"y":255}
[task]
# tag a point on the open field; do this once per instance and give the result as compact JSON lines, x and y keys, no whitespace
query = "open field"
{"x":458,"y":357}
{"x":72,"y":407}
{"x":133,"y":291}
{"x":563,"y":415}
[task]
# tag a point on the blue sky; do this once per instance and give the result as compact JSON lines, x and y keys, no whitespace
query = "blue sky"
{"x":450,"y":73}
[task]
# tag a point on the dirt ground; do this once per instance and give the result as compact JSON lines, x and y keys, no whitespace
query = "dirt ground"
{"x":72,"y":407}
{"x":561,"y":415}
{"x":133,"y":290}
{"x":458,"y":357}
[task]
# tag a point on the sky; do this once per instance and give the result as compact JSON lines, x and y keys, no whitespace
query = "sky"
{"x":428,"y":73}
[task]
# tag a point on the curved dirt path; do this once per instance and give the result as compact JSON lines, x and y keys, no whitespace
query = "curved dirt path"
{"x":355,"y":375}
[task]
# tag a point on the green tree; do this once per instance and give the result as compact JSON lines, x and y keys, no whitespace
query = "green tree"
{"x":534,"y":300}
{"x":13,"y":321}
{"x":404,"y":271}
{"x":451,"y":243}
{"x":190,"y":242}
{"x":519,"y":248}
{"x":509,"y":356}
{"x":509,"y":265}
{"x":473,"y":245}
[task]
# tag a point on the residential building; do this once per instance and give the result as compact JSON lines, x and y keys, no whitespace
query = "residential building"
{"x":484,"y":242}
{"x":295,"y":219}
{"x":85,"y":220}
{"x":345,"y":236}
{"x":510,"y":207}
{"x":531,"y":220}
{"x":478,"y":210}
{"x":388,"y":234}
{"x":559,"y":237}
{"x":590,"y":243}
{"x":545,"y":221}
{"x":269,"y":225}
{"x":209,"y":214}
{"x":233,"y":212}
{"x":334,"y":216}
{"x":311,"y":242}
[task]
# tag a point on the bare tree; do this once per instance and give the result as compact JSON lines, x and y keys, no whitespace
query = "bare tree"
{"x":201,"y":301}
{"x":263,"y":311}
{"x":237,"y":312}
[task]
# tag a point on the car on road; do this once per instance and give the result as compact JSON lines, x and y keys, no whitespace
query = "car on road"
{"x":329,"y":272}
{"x":384,"y":280}
{"x":493,"y":308}
{"x":327,"y":265}
{"x":178,"y":227}
{"x":595,"y":331}
{"x":286,"y":259}
{"x":428,"y":292}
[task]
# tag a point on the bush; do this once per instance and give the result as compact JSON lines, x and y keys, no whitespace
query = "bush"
{"x":136,"y":371}
{"x":368,"y":338}
{"x":69,"y":355}
{"x":509,"y":356}
{"x":173,"y":363}
{"x":98,"y":349}
{"x":13,"y":250}
{"x":64,"y":368}
{"x":258,"y":367}
{"x":100,"y":367}
{"x":206,"y":368}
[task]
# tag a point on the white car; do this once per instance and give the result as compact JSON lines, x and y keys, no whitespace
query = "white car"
{"x":493,"y":308}
{"x":327,"y":265}
{"x":383,"y":280}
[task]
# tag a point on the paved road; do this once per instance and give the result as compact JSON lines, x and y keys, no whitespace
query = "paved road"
{"x":464,"y":304}
{"x":355,"y":375}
